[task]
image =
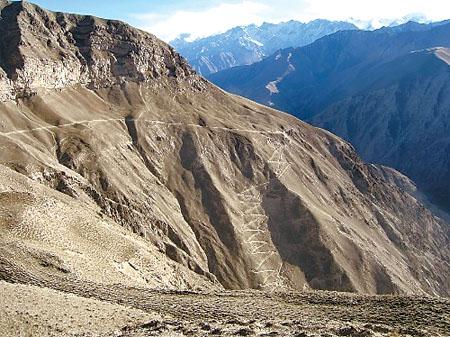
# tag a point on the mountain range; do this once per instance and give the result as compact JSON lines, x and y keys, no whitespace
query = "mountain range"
{"x":385,"y":91}
{"x":249,"y":44}
{"x":135,"y":196}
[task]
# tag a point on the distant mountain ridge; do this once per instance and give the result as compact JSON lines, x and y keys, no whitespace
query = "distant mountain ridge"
{"x":385,"y":91}
{"x":249,"y":44}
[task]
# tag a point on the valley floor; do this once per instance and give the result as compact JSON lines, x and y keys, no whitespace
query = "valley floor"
{"x":76,"y":309}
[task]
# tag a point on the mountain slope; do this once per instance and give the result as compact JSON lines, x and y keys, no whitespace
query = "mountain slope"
{"x":131,"y":169}
{"x":250,"y":44}
{"x":384,"y":91}
{"x":405,"y":118}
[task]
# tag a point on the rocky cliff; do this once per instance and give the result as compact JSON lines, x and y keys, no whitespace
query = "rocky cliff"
{"x":45,"y":50}
{"x":119,"y":165}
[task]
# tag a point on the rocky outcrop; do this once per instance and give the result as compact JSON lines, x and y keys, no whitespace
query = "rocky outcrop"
{"x":166,"y":181}
{"x":45,"y":50}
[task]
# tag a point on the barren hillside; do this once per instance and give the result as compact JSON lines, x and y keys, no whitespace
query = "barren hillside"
{"x":119,"y":165}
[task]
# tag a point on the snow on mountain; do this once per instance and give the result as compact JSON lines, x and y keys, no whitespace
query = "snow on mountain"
{"x":245,"y":45}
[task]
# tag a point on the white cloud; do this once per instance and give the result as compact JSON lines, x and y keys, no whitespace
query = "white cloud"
{"x":203,"y":23}
{"x":220,"y":18}
{"x":376,"y":12}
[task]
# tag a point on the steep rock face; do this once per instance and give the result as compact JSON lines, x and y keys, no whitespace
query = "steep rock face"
{"x":250,"y":44}
{"x":384,"y":91}
{"x":168,"y":181}
{"x":41,"y":49}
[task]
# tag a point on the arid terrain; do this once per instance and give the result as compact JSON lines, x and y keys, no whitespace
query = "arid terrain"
{"x":137,"y":199}
{"x":121,"y":311}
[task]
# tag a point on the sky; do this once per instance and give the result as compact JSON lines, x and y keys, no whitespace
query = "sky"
{"x":199,"y":18}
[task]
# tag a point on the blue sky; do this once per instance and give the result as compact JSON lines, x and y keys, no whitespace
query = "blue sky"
{"x":122,"y":9}
{"x":167,"y":19}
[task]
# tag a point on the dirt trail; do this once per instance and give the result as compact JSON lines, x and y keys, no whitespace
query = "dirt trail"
{"x":122,"y":120}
